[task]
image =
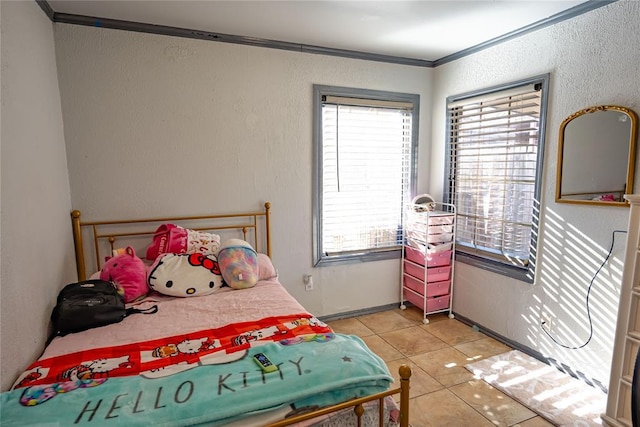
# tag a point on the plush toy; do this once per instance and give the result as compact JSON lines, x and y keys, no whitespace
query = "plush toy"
{"x":185,"y":275}
{"x":238,"y":264}
{"x":129,"y":274}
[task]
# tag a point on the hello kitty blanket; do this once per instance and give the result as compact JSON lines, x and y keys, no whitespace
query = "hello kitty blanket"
{"x":207,"y":376}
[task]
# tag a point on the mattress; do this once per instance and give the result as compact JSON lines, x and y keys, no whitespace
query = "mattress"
{"x":191,"y":363}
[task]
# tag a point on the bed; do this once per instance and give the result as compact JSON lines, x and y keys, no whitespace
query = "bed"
{"x":191,"y":362}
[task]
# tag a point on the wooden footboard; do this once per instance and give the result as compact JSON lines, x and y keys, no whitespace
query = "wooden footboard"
{"x":357,"y":405}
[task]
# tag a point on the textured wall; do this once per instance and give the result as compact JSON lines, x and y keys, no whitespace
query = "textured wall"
{"x":593,"y":59}
{"x":159,"y":125}
{"x":37,"y":248}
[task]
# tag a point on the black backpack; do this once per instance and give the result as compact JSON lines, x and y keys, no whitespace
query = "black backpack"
{"x":89,"y":304}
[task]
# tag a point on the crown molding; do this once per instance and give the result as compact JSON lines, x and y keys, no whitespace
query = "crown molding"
{"x":552,"y":20}
{"x":140,"y":27}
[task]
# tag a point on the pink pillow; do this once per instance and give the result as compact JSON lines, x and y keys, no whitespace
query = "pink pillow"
{"x":168,"y":238}
{"x":173,"y":239}
{"x":266,"y":269}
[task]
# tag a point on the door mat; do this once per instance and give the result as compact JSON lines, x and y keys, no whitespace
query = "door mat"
{"x":554,"y":395}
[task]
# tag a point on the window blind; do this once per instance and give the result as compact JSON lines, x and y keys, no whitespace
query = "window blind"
{"x":366,"y":161}
{"x":493,"y":165}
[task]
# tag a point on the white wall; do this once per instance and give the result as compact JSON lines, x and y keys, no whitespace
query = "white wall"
{"x":593,"y":59}
{"x":37,"y":247}
{"x":158,"y":125}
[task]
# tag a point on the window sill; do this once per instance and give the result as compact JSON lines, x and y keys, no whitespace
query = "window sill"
{"x":357,"y":257}
{"x":495,"y":267}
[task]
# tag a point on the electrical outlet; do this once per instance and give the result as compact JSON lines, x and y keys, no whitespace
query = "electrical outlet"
{"x":308,"y":282}
{"x":545,"y":321}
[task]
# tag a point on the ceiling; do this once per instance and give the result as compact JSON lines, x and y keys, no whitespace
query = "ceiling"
{"x":420,"y":30}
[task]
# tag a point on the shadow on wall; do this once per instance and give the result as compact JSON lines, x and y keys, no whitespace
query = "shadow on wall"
{"x":579,"y":300}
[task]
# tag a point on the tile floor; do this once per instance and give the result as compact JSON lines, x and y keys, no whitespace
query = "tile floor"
{"x":443,"y":392}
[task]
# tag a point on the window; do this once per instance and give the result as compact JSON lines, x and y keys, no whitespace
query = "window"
{"x":495,"y":154}
{"x":365,"y":151}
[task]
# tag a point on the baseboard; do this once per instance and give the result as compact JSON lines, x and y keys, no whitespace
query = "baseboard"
{"x":361,"y":312}
{"x":504,"y":340}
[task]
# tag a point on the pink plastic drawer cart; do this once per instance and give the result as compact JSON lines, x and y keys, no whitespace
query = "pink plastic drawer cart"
{"x":428,"y":253}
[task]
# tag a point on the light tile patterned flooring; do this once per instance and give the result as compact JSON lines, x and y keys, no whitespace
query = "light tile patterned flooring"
{"x":443,"y":392}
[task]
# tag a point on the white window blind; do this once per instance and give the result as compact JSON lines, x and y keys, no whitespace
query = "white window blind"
{"x":366,"y":163}
{"x":494,"y":142}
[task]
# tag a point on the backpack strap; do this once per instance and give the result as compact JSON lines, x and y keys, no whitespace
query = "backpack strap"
{"x":151,"y":310}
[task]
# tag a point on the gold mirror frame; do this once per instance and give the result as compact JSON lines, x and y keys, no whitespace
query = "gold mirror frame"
{"x":631,"y":157}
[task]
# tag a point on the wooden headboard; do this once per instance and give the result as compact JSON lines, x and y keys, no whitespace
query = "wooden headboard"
{"x":106,"y":236}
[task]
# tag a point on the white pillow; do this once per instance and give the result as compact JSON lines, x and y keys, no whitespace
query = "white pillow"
{"x":185,"y":275}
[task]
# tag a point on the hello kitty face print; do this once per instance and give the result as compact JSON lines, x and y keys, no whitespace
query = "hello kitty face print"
{"x":185,"y":275}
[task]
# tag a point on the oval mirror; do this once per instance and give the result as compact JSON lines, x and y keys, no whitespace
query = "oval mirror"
{"x":596,"y":156}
